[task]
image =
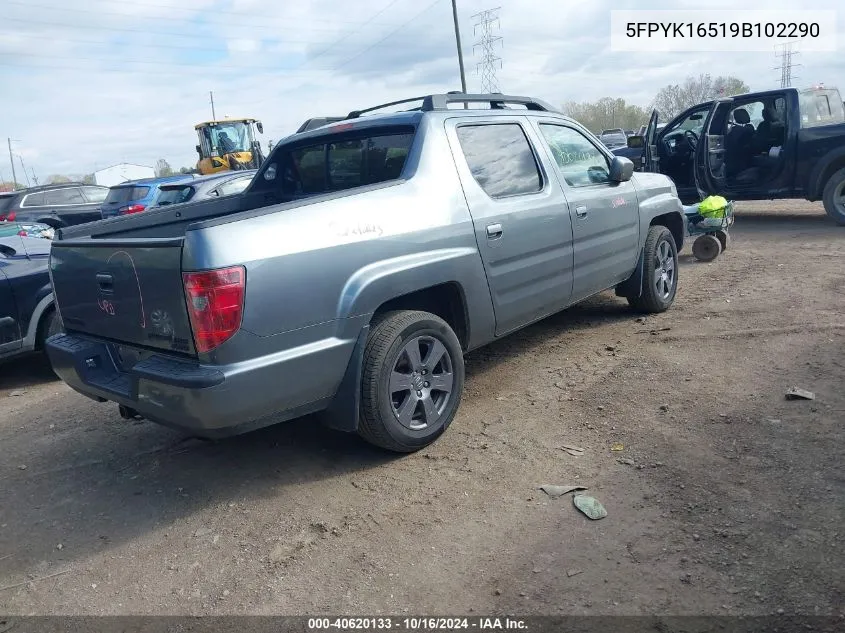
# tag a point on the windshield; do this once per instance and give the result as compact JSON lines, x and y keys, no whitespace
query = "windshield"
{"x":225,"y":138}
{"x":175,"y":195}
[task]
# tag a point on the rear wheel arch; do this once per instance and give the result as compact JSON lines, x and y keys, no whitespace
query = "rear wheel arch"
{"x":829,"y":167}
{"x":446,"y":300}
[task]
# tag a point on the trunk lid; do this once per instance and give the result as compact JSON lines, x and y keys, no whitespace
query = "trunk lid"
{"x":126,"y":290}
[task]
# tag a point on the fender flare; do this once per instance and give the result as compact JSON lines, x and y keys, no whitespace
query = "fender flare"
{"x":41,"y":308}
{"x":815,"y":187}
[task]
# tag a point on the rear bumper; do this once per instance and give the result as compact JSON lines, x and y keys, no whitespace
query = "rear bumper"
{"x":210,"y":401}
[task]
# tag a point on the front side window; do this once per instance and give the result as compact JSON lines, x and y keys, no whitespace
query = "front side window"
{"x":580,"y":162}
{"x":500,"y":159}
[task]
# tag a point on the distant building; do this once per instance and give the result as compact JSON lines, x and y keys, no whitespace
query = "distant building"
{"x":116,"y":174}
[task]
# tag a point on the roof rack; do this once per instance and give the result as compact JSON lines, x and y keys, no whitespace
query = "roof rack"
{"x":430,"y":103}
{"x":56,"y":185}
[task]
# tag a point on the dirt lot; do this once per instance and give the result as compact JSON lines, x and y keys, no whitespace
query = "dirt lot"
{"x":727,"y":498}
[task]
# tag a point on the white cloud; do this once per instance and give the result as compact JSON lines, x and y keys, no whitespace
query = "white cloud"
{"x":88,"y":84}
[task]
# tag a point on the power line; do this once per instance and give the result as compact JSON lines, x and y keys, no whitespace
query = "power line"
{"x":388,"y":36}
{"x":263,"y":24}
{"x":216,"y":11}
{"x":487,"y":19}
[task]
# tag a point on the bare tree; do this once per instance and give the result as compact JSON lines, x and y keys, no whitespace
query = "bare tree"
{"x":606,"y":113}
{"x":673,"y":99}
{"x":163,"y":168}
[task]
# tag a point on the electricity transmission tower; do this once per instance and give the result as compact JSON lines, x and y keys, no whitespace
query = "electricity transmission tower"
{"x":786,"y":64}
{"x":485,"y":21}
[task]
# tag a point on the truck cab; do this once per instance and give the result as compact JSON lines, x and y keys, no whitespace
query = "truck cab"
{"x":784,"y":143}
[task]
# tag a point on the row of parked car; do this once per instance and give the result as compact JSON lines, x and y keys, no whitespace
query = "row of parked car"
{"x":68,"y":204}
{"x":30,"y":217}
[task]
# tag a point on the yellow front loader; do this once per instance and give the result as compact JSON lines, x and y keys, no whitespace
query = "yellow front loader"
{"x":229,"y":144}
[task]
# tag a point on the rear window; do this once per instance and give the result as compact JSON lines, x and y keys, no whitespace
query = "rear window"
{"x":500,"y":159}
{"x":175,"y":195}
{"x":121,"y":195}
{"x":5,"y":202}
{"x":338,"y":162}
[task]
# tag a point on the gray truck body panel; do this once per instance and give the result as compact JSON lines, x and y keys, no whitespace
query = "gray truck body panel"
{"x":318,"y":269}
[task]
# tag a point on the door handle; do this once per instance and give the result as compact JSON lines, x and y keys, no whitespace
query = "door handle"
{"x":581,"y":211}
{"x":494,"y":231}
{"x":105,"y":282}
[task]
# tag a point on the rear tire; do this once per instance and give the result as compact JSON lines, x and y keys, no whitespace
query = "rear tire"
{"x":834,"y":197}
{"x":50,"y":325}
{"x":706,"y":248}
{"x":412,"y":381}
{"x":724,"y":239}
{"x":660,"y":272}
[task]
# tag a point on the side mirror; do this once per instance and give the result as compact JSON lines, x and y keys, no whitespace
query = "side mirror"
{"x":199,"y":150}
{"x":621,"y":169}
{"x":260,"y":127}
{"x":636,"y":141}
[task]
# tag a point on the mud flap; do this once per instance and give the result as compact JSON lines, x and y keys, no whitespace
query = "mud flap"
{"x":342,"y":413}
{"x":633,"y":285}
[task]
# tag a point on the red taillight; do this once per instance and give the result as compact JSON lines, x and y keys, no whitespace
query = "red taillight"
{"x":215,"y":304}
{"x":132,"y":208}
{"x":8,"y":217}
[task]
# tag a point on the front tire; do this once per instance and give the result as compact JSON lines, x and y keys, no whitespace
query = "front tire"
{"x":412,"y":381}
{"x":834,"y":197}
{"x":660,"y":272}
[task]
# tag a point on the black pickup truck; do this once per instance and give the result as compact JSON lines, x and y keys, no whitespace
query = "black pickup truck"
{"x":784,"y":143}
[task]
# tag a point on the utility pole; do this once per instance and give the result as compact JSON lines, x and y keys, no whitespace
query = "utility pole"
{"x":786,"y":64}
{"x":213,"y":115}
{"x":486,"y":20}
{"x":26,"y":175}
{"x":12,"y":160}
{"x":460,"y":50}
{"x":34,"y":177}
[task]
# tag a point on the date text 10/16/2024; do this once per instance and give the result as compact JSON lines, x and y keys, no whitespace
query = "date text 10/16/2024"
{"x":416,"y":624}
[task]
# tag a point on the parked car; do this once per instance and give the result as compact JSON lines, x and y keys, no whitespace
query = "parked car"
{"x":27,"y":311}
{"x":613,"y":139}
{"x":785,"y":143}
{"x":56,"y":205}
{"x":136,"y":195}
{"x":8,"y":229}
{"x":358,"y":267}
{"x":204,"y":187}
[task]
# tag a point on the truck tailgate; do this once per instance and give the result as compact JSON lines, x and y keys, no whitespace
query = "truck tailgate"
{"x":126,"y":290}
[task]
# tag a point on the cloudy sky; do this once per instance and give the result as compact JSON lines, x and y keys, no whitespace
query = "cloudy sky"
{"x":89,"y":84}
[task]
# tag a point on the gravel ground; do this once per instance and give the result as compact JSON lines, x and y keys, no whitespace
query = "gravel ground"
{"x":726,"y":498}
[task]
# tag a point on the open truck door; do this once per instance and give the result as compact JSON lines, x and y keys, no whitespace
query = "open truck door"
{"x":651,"y":159}
{"x":710,"y":154}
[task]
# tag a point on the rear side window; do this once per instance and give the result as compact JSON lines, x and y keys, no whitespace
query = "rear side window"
{"x":95,"y":194}
{"x":64,"y":196}
{"x":500,"y":159}
{"x":33,"y":200}
{"x":236,"y":185}
{"x":121,"y":195}
{"x":337,"y":163}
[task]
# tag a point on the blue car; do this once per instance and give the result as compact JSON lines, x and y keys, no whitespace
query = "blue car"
{"x":136,"y":195}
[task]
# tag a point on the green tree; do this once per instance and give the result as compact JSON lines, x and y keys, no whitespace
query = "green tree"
{"x":673,"y":99}
{"x":88,"y":179}
{"x":57,"y":179}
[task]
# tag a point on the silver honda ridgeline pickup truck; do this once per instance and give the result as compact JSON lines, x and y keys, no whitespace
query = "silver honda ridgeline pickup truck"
{"x":359,"y":266}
